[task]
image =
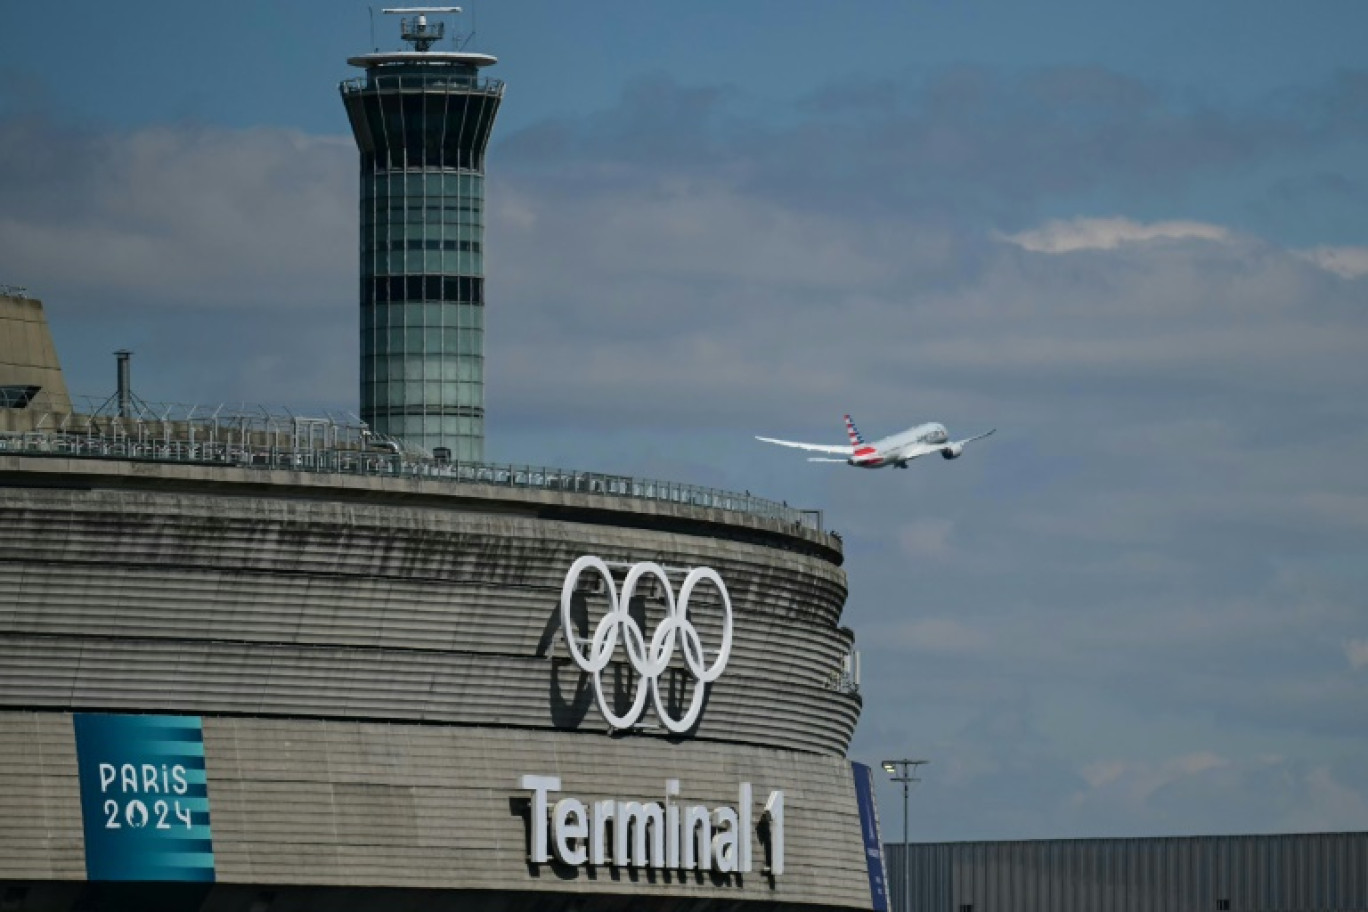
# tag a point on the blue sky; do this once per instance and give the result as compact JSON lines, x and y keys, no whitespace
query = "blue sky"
{"x":1133,"y":238}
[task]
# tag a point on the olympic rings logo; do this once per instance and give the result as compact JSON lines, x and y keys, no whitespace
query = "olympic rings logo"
{"x":648,"y":659}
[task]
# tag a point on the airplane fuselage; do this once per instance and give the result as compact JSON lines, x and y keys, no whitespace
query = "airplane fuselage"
{"x":896,"y":449}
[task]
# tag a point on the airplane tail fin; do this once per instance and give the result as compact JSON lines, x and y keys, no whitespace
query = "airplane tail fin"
{"x":856,"y":438}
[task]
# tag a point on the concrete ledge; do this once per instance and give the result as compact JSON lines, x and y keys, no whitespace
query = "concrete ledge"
{"x":66,"y":472}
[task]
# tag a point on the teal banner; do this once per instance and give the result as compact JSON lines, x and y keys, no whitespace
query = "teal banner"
{"x":144,"y":798}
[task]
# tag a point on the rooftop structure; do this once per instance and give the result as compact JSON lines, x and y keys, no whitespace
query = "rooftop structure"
{"x":422,"y":118}
{"x":28,"y":360}
{"x":256,"y":438}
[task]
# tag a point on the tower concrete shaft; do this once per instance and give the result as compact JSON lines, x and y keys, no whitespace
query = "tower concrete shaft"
{"x":422,"y":121}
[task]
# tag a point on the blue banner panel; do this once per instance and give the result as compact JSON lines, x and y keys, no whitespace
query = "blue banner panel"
{"x":869,"y":828}
{"x":144,"y":798}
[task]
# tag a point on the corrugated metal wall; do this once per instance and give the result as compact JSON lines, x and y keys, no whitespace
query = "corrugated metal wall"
{"x":1323,"y":872}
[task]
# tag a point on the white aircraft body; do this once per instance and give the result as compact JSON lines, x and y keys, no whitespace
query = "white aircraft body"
{"x":896,"y":450}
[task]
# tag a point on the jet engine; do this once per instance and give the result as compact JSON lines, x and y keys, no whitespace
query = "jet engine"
{"x":953,"y":451}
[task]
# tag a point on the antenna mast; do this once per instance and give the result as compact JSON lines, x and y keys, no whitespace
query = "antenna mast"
{"x":415,"y":28}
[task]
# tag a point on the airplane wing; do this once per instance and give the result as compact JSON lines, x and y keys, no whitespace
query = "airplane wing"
{"x":826,"y":459}
{"x":815,"y":447}
{"x":987,"y":433}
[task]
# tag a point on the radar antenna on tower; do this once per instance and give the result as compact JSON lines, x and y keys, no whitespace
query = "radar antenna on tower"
{"x":415,"y":28}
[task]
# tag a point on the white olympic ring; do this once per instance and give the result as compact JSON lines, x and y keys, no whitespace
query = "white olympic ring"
{"x":649,"y":660}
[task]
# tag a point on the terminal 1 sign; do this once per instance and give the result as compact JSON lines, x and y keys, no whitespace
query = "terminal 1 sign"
{"x":654,"y":834}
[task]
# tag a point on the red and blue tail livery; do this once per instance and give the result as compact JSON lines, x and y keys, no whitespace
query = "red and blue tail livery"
{"x":853,"y":432}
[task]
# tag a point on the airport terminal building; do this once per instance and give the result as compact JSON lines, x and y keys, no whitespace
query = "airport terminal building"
{"x":257,"y":662}
{"x":252,"y":664}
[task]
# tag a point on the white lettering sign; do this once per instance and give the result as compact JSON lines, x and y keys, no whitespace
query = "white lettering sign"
{"x":650,"y":834}
{"x":141,"y":781}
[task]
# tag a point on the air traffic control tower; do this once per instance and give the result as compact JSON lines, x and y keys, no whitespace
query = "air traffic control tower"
{"x":422,"y":119}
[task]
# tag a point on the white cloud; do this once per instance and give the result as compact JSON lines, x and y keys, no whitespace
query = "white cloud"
{"x":1140,"y":779}
{"x":1179,"y":795}
{"x":183,"y":217}
{"x":1068,"y":235}
{"x":1349,"y":262}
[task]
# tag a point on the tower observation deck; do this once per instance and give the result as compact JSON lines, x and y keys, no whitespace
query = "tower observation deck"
{"x":422,"y":119}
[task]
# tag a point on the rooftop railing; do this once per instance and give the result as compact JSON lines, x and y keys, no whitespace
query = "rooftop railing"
{"x":259,"y":438}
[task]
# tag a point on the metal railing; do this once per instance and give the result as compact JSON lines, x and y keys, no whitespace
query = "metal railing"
{"x":256,"y":437}
{"x":14,"y":291}
{"x":845,"y":678}
{"x":411,"y":82}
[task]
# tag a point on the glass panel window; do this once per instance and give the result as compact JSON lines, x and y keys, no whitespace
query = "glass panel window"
{"x":470,"y":368}
{"x":413,"y":340}
{"x":470,"y":235}
{"x":451,"y":341}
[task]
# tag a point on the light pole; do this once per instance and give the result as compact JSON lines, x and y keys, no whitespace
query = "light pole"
{"x":905,"y":771}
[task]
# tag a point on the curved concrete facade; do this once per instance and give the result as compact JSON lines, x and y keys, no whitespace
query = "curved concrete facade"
{"x":377,"y":663}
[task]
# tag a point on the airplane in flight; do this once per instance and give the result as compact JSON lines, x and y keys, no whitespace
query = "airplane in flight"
{"x":896,"y":450}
